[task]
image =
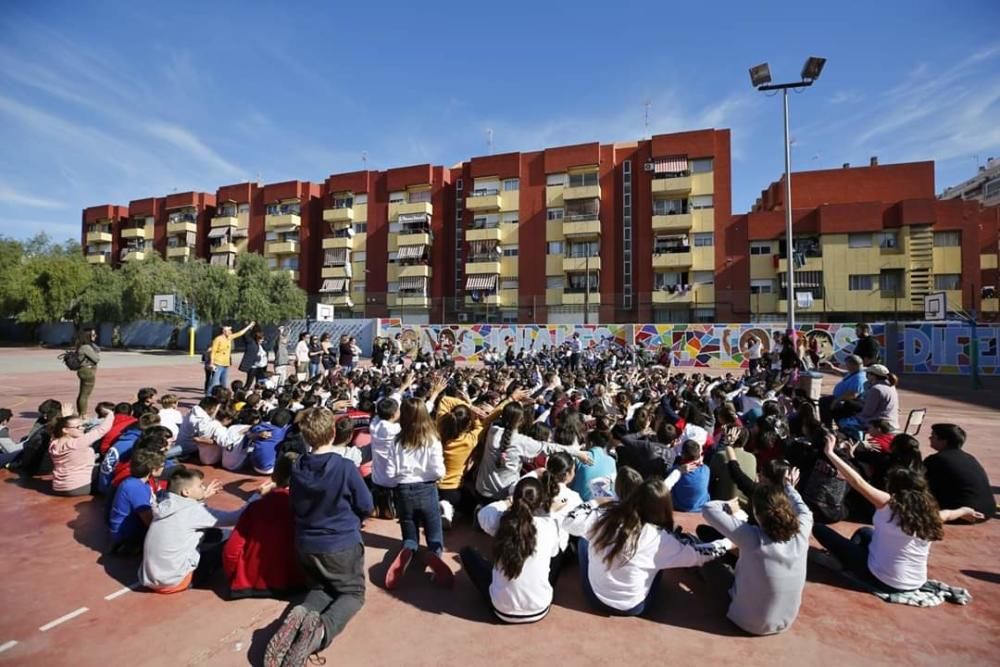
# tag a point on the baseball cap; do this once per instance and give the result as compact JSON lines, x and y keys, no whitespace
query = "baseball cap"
{"x":878,"y":370}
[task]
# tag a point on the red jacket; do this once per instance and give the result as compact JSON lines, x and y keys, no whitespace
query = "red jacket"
{"x":259,"y":557}
{"x":121,"y":423}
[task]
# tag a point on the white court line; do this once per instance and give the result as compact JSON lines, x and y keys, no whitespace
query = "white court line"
{"x":7,"y":645}
{"x":62,"y":619}
{"x":121,"y":592}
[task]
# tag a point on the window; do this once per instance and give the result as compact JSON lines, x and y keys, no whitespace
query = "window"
{"x":555,"y":247}
{"x":359,"y":256}
{"x":556,"y":180}
{"x":704,"y":240}
{"x":702,"y":201}
{"x":761,"y":248}
{"x":701,"y":165}
{"x":665,"y":280}
{"x":577,"y":282}
{"x":458,"y":183}
{"x":508,"y":283}
{"x":859,"y":240}
{"x":584,"y":249}
{"x":948,"y":281}
{"x":556,"y":213}
{"x":393,"y":256}
{"x":991,"y":189}
{"x":703,"y":277}
{"x":890,"y":282}
{"x":887,"y":240}
{"x":392,"y":287}
{"x":397,"y":197}
{"x":947,"y":239}
{"x":554,"y":282}
{"x":861,"y":283}
{"x":360,"y":227}
{"x":419,"y":196}
{"x":762,"y":286}
{"x":510,"y":218}
{"x":243,"y":208}
{"x":509,"y":250}
{"x":807,"y":246}
{"x":359,"y":286}
{"x":670,"y":206}
{"x":583,"y":180}
{"x":361,"y":198}
{"x":511,"y":184}
{"x":670,"y":244}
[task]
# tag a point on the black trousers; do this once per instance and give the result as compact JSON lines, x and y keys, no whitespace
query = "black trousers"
{"x":336,"y":587}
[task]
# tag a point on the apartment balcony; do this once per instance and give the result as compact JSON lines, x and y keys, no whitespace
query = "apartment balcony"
{"x":133,"y":232}
{"x":483,"y":200}
{"x":99,"y":258}
{"x":678,"y":185}
{"x":343,"y":271}
{"x":397,"y":209}
{"x":133,"y":255}
{"x":182,"y":252}
{"x":225,"y":221}
{"x":818,"y":305}
{"x":490,"y":266}
{"x":582,"y":192}
{"x":181,"y":228}
{"x":337,"y":242}
{"x":415,"y":271}
{"x":676,"y":222}
{"x":811,"y":264}
{"x":664,"y":297}
{"x":580,"y":298}
{"x":281,"y":248}
{"x":411,"y":301}
{"x":571,"y":264}
{"x":484,"y":300}
{"x":483,"y":234}
{"x":98,"y":237}
{"x":672,"y":260}
{"x":413,"y":238}
{"x":582,"y":226}
{"x":224,"y":247}
{"x":338,"y":215}
{"x":282,"y":220}
{"x":341,"y":300}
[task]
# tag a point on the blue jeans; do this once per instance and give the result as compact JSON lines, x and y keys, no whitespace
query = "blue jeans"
{"x":313,"y":369}
{"x":595,"y":602}
{"x":220,"y":376}
{"x":418,"y":504}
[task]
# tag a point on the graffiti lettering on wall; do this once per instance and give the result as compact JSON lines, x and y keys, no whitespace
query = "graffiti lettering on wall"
{"x":947,"y":348}
{"x":694,"y":345}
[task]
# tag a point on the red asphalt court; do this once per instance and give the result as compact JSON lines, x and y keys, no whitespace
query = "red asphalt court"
{"x":63,"y":602}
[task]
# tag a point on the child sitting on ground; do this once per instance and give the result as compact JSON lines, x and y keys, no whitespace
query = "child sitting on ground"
{"x":329,"y":499}
{"x":170,"y":416}
{"x":267,"y":436}
{"x":342,"y":441}
{"x":688,"y":482}
{"x":259,"y":557}
{"x":132,"y":507}
{"x":197,"y":423}
{"x":179,"y":551}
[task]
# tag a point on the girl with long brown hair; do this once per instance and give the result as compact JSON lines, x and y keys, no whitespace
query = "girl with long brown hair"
{"x":415,"y":463}
{"x":627,"y":543}
{"x":892,"y":555}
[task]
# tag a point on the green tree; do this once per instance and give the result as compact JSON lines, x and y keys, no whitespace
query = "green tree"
{"x":213,"y":292}
{"x":142,"y":280}
{"x":288,"y":299}
{"x":101,"y":300}
{"x":264,"y":296}
{"x":52,"y":278}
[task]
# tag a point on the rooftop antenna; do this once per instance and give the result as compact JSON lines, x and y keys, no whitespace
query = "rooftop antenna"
{"x":489,"y":139}
{"x":258,"y":179}
{"x":646,"y":104}
{"x":364,"y":160}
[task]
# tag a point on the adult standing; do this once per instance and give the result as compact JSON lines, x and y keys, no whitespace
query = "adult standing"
{"x":90,"y":357}
{"x":302,"y":356}
{"x":576,"y":351}
{"x":867,"y":347}
{"x":755,"y":349}
{"x":254,"y":362}
{"x":345,"y":354}
{"x":281,"y":355}
{"x":316,"y":353}
{"x":221,"y":355}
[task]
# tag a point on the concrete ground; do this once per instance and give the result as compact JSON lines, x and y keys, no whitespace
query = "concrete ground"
{"x":64,"y":602}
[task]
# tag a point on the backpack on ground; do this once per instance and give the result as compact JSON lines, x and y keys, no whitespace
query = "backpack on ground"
{"x":72,"y":359}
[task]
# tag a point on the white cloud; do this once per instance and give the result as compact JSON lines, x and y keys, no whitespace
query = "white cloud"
{"x":185,"y":140}
{"x":9,"y":195}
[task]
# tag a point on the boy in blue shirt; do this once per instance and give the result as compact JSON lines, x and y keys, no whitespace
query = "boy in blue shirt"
{"x":688,"y":482}
{"x":132,"y":507}
{"x":266,"y":437}
{"x":597,"y":478}
{"x":329,"y":498}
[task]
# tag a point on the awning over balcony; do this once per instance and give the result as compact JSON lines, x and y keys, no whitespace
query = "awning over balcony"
{"x":412,"y":283}
{"x":481,"y":281}
{"x":410,"y":252}
{"x":670,"y":165}
{"x":406,"y":218}
{"x":335,"y":256}
{"x":218,"y":232}
{"x":333,"y":285}
{"x":285,"y":229}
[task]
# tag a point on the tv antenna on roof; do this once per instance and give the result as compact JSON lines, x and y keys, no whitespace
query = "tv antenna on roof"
{"x":489,"y":139}
{"x":646,"y":104}
{"x":364,"y":160}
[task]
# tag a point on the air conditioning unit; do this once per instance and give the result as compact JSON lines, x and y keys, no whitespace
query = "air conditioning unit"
{"x":648,"y":166}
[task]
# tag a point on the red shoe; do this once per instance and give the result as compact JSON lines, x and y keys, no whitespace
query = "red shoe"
{"x":441,"y":574}
{"x":397,"y":568}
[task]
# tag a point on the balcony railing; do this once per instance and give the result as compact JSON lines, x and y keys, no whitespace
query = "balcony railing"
{"x":284,"y":209}
{"x":182,"y":217}
{"x":485,"y":192}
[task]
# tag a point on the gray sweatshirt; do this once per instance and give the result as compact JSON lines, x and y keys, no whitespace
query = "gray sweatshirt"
{"x":770,"y":576}
{"x":171,"y":548}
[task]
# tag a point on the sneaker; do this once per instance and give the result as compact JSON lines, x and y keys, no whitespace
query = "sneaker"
{"x":447,"y":514}
{"x":309,"y":641}
{"x":397,"y":568}
{"x":441,"y":574}
{"x":277,"y":648}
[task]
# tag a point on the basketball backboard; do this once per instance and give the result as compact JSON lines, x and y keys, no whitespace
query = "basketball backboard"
{"x":324,"y":312}
{"x":936,"y":307}
{"x":164,"y":303}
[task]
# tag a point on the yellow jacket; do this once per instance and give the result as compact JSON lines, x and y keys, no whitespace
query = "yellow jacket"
{"x":457,"y":452}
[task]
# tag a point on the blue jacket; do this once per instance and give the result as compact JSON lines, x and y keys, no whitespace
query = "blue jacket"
{"x":265,"y":451}
{"x":121,"y":450}
{"x":690,"y":492}
{"x":329,"y":499}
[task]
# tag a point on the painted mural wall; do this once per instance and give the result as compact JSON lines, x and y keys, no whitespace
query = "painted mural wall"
{"x":926,"y":347}
{"x":694,"y":345}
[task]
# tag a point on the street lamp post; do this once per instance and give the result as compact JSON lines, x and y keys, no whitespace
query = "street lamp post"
{"x":760,"y":77}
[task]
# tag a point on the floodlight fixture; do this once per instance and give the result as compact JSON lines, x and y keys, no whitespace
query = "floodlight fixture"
{"x":760,"y":74}
{"x":813,"y":68}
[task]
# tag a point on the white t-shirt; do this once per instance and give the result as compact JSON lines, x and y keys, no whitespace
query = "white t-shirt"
{"x":627,"y":582}
{"x":528,"y":597}
{"x":352,"y":454}
{"x":383,"y":434}
{"x":755,"y":349}
{"x":895,"y":558}
{"x":234,"y":447}
{"x":302,"y":352}
{"x":172,"y":419}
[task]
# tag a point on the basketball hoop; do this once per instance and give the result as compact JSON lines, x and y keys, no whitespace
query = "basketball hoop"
{"x":164,"y":303}
{"x":936,"y":307}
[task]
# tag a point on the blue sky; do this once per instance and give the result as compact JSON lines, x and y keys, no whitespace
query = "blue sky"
{"x":107,"y":102}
